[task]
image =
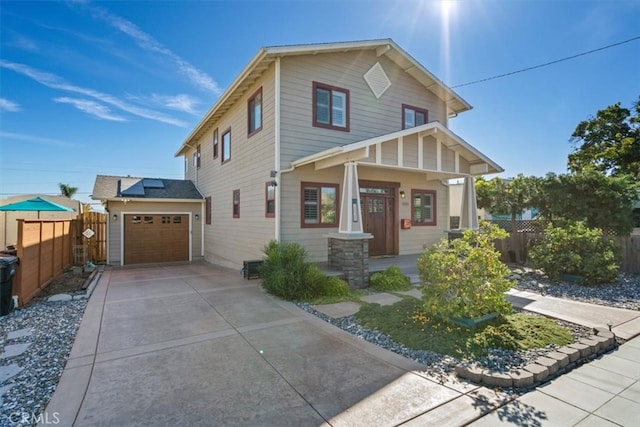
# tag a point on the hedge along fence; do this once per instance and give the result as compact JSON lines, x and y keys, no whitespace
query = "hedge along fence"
{"x":518,"y":244}
{"x":45,"y":251}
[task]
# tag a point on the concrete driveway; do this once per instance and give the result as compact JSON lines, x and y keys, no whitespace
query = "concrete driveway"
{"x":197,"y":345}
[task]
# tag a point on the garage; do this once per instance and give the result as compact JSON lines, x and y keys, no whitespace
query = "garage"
{"x":153,"y":238}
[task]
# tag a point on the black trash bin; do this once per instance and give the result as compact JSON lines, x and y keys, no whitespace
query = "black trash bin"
{"x":7,"y":272}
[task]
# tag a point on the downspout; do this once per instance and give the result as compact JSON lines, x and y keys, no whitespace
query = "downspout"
{"x":279,"y":172}
{"x":277,"y":149}
{"x":202,"y":222}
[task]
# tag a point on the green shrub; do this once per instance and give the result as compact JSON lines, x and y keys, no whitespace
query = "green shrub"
{"x":465,"y":277}
{"x":577,"y":250}
{"x":285,"y":271}
{"x":391,"y":279}
{"x":334,"y":286}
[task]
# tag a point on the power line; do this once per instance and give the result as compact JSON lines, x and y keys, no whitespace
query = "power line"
{"x":547,"y":63}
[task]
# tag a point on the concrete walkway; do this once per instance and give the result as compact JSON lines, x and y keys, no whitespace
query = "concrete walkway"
{"x":197,"y":345}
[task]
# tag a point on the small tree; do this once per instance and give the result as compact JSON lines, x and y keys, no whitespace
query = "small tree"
{"x":67,"y":191}
{"x":465,"y":277}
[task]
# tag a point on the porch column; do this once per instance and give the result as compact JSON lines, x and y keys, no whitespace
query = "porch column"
{"x":350,"y":212}
{"x":469,"y":208}
{"x":348,"y":249}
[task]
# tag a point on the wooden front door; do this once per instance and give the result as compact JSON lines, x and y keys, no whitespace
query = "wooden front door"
{"x":378,"y":219}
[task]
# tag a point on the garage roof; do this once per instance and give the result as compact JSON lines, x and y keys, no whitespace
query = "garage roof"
{"x":109,"y":187}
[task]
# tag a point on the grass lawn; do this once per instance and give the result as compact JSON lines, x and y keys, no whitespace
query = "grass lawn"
{"x":353,"y":296}
{"x":407,"y":323}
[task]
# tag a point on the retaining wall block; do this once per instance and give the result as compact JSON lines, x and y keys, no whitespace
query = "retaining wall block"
{"x":540,"y":373}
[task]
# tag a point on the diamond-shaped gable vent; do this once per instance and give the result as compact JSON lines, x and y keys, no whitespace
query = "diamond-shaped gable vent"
{"x":377,"y":80}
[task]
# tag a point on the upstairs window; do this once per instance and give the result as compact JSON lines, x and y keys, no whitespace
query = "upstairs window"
{"x":236,"y":203}
{"x":413,"y":116}
{"x":319,"y":207}
{"x":226,"y":146}
{"x":198,"y":156}
{"x":270,"y":200}
{"x":255,"y":113}
{"x":215,"y":144}
{"x":423,"y":207}
{"x":330,"y":107}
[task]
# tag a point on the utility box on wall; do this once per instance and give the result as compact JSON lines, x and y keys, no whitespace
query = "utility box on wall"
{"x":405,"y":224}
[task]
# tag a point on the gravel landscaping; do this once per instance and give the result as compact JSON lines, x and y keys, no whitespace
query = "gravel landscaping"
{"x":48,"y":329}
{"x":625,"y":293}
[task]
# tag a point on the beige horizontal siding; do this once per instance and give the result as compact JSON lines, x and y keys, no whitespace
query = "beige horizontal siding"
{"x":369,"y":116}
{"x":228,"y":240}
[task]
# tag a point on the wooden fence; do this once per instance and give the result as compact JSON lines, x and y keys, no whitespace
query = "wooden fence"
{"x":515,"y":248}
{"x":94,"y":248}
{"x":44,"y":250}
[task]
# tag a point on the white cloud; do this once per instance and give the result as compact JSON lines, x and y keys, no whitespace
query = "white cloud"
{"x":181,"y":102}
{"x":10,"y":136}
{"x":201,"y":79}
{"x":9,"y":106}
{"x":91,"y":107}
{"x":55,"y":82}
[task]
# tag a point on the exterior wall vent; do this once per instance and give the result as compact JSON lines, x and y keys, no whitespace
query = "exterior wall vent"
{"x":377,"y":80}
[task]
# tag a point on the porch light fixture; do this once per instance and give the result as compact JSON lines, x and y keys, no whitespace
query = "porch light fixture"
{"x":402,"y":194}
{"x":115,"y":217}
{"x":197,"y":217}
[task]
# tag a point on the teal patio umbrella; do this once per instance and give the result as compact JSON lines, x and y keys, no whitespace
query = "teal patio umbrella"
{"x":36,"y":204}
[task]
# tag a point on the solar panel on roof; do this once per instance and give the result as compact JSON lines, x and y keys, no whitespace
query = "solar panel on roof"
{"x":152,"y":183}
{"x":131,"y":187}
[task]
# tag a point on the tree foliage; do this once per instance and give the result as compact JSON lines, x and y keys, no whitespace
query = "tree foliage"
{"x":608,"y":142}
{"x":510,"y":196}
{"x":600,"y":201}
{"x":67,"y":191}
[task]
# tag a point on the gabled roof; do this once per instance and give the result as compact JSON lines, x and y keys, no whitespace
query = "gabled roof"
{"x":149,"y":189}
{"x":267,"y":55}
{"x":359,"y":150}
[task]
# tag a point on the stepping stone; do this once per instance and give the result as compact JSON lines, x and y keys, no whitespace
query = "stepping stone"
{"x":9,"y":371}
{"x":25,"y":332}
{"x":14,"y":350}
{"x":382,"y":298}
{"x":340,"y":309}
{"x":60,"y":297}
{"x":416,"y":293}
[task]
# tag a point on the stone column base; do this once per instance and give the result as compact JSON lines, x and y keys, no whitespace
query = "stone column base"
{"x":350,"y":254}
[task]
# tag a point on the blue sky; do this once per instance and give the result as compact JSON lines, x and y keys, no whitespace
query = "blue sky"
{"x":92,"y":88}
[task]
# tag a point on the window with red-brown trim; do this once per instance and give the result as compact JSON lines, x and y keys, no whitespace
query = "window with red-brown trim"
{"x":226,"y":146}
{"x":215,"y":144}
{"x":413,"y":116}
{"x":254,"y":113}
{"x":198,"y":156}
{"x":319,"y":205}
{"x":270,"y":200}
{"x":236,"y":203}
{"x":330,"y":107}
{"x":423,"y":207}
{"x":207,"y":210}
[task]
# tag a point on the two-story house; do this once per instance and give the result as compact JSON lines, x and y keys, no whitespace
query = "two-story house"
{"x":328,"y":145}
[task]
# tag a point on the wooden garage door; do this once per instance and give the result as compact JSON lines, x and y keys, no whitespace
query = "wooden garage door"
{"x":156,"y":238}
